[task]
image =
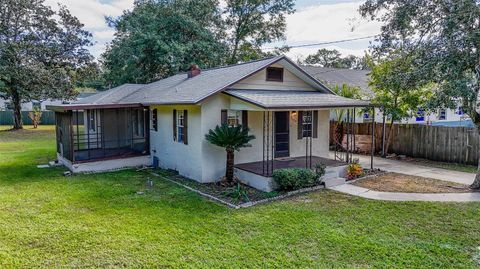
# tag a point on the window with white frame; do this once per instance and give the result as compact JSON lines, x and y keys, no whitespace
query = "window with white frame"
{"x":180,"y":126}
{"x":307,"y":123}
{"x":460,"y":111}
{"x":234,"y":117}
{"x":442,"y":114}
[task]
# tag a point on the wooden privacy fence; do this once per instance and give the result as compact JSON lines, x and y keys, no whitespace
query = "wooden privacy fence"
{"x":437,"y":143}
{"x":6,"y":118}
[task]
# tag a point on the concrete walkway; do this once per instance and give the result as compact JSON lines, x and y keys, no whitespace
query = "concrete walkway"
{"x":401,"y":196}
{"x":415,"y":170}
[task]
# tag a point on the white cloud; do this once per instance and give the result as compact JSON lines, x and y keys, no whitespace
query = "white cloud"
{"x":312,"y":24}
{"x":329,"y":22}
{"x":92,"y":14}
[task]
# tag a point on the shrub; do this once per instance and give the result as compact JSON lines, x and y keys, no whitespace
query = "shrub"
{"x":295,"y":178}
{"x":320,"y":169}
{"x":35,"y":116}
{"x":354,"y":170}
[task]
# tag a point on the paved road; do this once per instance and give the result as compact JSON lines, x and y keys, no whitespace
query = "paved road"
{"x":415,"y":170}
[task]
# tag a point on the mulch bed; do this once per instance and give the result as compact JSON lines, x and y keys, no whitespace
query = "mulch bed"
{"x":394,"y":182}
{"x":221,"y":191}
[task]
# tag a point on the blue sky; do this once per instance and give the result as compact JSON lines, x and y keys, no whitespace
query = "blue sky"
{"x":314,"y":21}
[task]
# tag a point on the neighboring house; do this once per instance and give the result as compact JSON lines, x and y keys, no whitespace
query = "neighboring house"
{"x":29,"y":106}
{"x":359,"y":78}
{"x":164,"y":123}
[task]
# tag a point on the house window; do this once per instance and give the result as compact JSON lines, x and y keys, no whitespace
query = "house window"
{"x":307,"y":124}
{"x":91,"y":120}
{"x":442,"y":114}
{"x":420,"y":115}
{"x":180,"y":126}
{"x":155,"y":120}
{"x":460,"y":111}
{"x":36,"y":105}
{"x":8,"y":106}
{"x":274,"y":74}
{"x":234,"y":117}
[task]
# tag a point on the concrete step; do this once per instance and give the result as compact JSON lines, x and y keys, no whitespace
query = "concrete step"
{"x":331,"y":182}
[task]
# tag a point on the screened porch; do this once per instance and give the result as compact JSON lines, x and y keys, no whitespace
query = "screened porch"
{"x":86,"y":134}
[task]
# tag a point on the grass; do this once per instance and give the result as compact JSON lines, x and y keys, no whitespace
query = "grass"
{"x":98,"y":220}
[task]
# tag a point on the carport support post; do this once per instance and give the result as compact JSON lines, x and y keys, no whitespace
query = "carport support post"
{"x":373,"y":138}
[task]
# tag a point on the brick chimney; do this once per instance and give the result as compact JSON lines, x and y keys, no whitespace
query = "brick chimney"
{"x":194,"y":71}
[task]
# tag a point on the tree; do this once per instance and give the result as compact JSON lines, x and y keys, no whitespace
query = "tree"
{"x":39,"y":50}
{"x":443,"y":40}
{"x":397,"y":96}
{"x":232,"y":138}
{"x":348,"y":92}
{"x":333,"y":58}
{"x":158,"y":39}
{"x":253,"y":23}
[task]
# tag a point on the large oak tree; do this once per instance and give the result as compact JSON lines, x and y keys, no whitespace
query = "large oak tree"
{"x":442,"y":39}
{"x":41,"y":51}
{"x":160,"y":38}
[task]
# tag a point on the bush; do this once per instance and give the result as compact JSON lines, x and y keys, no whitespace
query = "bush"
{"x":354,"y":170}
{"x":295,"y":178}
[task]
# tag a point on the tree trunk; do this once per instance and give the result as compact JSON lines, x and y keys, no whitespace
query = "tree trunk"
{"x":230,"y":163}
{"x":17,"y":112}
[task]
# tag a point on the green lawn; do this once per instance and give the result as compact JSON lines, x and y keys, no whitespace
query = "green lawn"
{"x":47,"y":220}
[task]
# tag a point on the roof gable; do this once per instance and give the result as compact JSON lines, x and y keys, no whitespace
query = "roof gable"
{"x":179,"y":89}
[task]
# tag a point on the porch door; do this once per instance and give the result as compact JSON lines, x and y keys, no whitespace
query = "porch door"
{"x":282,"y":134}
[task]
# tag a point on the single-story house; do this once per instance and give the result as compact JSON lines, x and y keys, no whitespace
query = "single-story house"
{"x":164,"y":123}
{"x":360,"y":78}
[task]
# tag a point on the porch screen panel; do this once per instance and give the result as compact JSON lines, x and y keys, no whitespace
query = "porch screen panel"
{"x":64,"y":135}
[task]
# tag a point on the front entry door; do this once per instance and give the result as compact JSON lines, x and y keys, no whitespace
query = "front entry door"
{"x":282,"y":134}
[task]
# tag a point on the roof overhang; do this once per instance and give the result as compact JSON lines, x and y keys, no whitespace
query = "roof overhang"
{"x":278,"y":99}
{"x":69,"y":107}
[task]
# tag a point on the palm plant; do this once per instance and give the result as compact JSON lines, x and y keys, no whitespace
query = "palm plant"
{"x":232,"y":138}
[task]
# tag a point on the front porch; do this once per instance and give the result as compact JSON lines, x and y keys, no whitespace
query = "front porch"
{"x":255,"y":173}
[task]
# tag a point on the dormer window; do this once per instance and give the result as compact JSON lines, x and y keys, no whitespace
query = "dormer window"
{"x":275,"y":74}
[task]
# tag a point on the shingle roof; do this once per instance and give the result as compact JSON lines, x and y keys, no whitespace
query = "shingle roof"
{"x":179,"y":89}
{"x":291,"y":99}
{"x":339,"y":76}
{"x":112,"y":96}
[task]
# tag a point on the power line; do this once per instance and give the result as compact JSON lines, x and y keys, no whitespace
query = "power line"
{"x":325,"y":43}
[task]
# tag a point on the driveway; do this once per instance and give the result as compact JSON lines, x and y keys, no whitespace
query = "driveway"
{"x":414,"y":169}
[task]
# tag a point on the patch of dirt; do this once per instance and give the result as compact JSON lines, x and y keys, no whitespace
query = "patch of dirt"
{"x":394,"y":182}
{"x":233,"y":194}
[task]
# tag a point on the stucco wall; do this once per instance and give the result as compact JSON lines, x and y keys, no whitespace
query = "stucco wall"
{"x":258,"y":81}
{"x":186,"y":159}
{"x":319,"y":145}
{"x":214,"y":158}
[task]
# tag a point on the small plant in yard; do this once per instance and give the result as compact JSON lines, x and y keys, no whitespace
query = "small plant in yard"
{"x":320,"y":169}
{"x":354,"y":170}
{"x":35,"y":116}
{"x":289,"y":179}
{"x":238,"y":193}
{"x":232,"y":138}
